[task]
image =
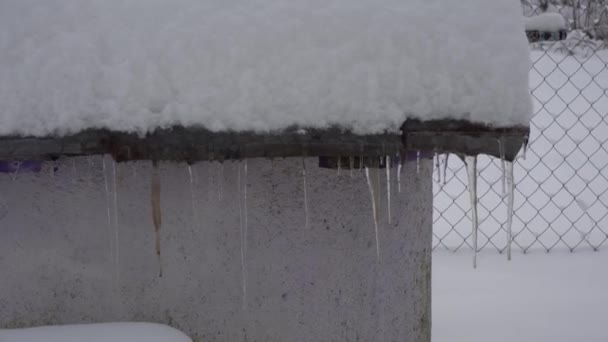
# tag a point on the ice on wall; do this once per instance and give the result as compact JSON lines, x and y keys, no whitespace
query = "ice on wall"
{"x":136,"y":65}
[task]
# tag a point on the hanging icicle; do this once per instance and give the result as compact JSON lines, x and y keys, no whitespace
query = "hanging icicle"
{"x":16,"y":172}
{"x":418,"y":162}
{"x":388,"y":186}
{"x":242,"y":198}
{"x":510,"y":200}
{"x":501,"y":150}
{"x":339,"y":166}
{"x":471,"y":162}
{"x":109,"y":223}
{"x":399,"y":167}
{"x":156,"y":213}
{"x":352,"y":166}
{"x":220,"y":181}
{"x":53,"y":168}
{"x":374,"y":210}
{"x":305,"y":192}
{"x":116,"y":227}
{"x":445,"y":169}
{"x":74,"y":172}
{"x":107,"y":191}
{"x":246,"y":207}
{"x":192,"y":199}
{"x":438,"y":167}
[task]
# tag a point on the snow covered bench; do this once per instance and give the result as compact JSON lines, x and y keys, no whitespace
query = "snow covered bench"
{"x":546,"y":27}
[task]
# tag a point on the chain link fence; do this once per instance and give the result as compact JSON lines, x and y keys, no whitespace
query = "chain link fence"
{"x":561,"y":194}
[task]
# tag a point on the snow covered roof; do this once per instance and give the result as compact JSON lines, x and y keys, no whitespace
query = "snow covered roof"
{"x":259,"y":65}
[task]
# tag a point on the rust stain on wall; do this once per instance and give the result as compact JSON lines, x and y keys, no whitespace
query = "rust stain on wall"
{"x":156,"y":213}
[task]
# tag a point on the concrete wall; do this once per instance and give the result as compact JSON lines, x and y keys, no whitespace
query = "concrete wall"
{"x":239,"y":264}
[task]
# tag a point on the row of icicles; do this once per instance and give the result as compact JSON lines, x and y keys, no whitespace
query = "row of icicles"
{"x":441,"y":166}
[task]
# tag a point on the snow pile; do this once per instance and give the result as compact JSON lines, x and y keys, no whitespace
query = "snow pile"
{"x":109,"y":332}
{"x":136,"y":65}
{"x":547,"y":22}
{"x":540,"y":297}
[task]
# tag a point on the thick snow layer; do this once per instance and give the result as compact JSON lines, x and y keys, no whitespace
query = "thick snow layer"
{"x":135,"y":65}
{"x":539,"y":297}
{"x":546,"y":22}
{"x":109,"y":332}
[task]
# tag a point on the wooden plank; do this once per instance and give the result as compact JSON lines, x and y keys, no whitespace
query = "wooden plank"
{"x":196,"y":144}
{"x":464,"y":138}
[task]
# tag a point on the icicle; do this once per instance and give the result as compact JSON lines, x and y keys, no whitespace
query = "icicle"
{"x":209,"y":182}
{"x":388,"y":186}
{"x":305,"y":192}
{"x":399,"y":167}
{"x":445,"y":169}
{"x":220,"y":182}
{"x":246,"y":234}
{"x":361,"y":163}
{"x":74,"y":173}
{"x":105,"y":183}
{"x":339,"y":165}
{"x":116,"y":232}
{"x":375,"y":211}
{"x":510,"y":200}
{"x":192,"y":199}
{"x":109,"y":221}
{"x":501,"y":150}
{"x":438,"y":168}
{"x":156,"y":213}
{"x":16,"y":173}
{"x":243,"y":230}
{"x":471,"y":162}
{"x":418,"y":162}
{"x":352,"y":166}
{"x":245,"y":194}
{"x":53,"y":169}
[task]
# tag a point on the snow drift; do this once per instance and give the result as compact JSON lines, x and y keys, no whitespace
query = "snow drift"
{"x":137,"y":65}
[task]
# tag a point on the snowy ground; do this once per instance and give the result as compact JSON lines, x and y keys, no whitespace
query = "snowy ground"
{"x":557,"y":297}
{"x":563,"y":183}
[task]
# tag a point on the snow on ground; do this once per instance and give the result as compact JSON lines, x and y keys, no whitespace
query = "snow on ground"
{"x":539,"y":297}
{"x":545,"y":22}
{"x":108,"y":332}
{"x":135,"y":65}
{"x":563,"y":182}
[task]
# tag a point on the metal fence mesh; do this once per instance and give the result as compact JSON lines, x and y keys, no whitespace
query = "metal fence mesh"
{"x":561,"y":194}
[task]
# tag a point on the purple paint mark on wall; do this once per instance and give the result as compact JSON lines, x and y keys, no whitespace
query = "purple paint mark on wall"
{"x":413,"y":155}
{"x":20,"y":166}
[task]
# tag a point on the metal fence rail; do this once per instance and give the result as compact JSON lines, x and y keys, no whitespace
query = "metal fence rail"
{"x":561,"y":195}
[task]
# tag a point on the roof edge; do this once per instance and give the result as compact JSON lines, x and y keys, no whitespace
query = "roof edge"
{"x":199,"y":144}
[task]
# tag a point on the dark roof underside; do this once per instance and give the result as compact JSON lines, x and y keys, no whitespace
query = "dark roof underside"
{"x":197,"y":144}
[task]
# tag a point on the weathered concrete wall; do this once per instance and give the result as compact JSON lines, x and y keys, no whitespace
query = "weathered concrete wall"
{"x":239,"y":264}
